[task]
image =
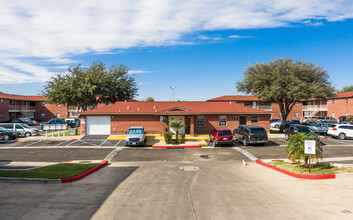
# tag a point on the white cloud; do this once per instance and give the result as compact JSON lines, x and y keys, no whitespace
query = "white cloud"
{"x":239,"y":36}
{"x":53,"y":31}
{"x":137,"y":71}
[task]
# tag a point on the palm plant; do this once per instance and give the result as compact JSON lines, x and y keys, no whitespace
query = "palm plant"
{"x":295,"y":148}
{"x":176,"y":125}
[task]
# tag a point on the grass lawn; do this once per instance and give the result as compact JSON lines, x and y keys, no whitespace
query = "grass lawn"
{"x":317,"y":170}
{"x":59,"y":171}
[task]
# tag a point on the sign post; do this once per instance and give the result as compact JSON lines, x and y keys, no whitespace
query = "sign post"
{"x":310,"y":148}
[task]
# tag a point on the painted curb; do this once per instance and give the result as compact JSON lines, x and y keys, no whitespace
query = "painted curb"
{"x":299,"y":176}
{"x":86,"y":173}
{"x":175,"y":146}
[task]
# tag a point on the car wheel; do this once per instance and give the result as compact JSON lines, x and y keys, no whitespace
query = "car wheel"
{"x":286,"y":136}
{"x":6,"y":137}
{"x":214,"y":144}
{"x":342,"y":136}
{"x":276,"y":126}
{"x":27,"y":134}
{"x":245,"y":142}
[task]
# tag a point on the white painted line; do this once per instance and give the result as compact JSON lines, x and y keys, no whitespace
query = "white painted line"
{"x":102,"y":143}
{"x":71,"y":143}
{"x":88,"y":143}
{"x":341,"y":142}
{"x":281,"y":140}
{"x":117,"y":143}
{"x":246,"y":153}
{"x":32,"y":143}
{"x":62,"y":143}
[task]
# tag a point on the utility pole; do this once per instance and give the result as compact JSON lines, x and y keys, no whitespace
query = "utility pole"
{"x":173,"y":88}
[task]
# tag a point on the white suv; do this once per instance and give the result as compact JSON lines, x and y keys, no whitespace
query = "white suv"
{"x":342,"y":131}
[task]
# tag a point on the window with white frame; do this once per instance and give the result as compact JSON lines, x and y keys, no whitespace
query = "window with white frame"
{"x":280,"y":115}
{"x":58,"y":115}
{"x":254,"y":119}
{"x":201,"y":120}
{"x":346,"y":113}
{"x":296,"y":103}
{"x":333,"y":114}
{"x":2,"y":102}
{"x":2,"y":117}
{"x":43,"y":104}
{"x":43,"y":115}
{"x":295,"y":114}
{"x":222,"y":120}
{"x":58,"y":104}
{"x":236,"y":118}
{"x":333,"y":101}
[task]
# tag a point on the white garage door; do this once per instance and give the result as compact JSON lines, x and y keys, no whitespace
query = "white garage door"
{"x":98,"y":125}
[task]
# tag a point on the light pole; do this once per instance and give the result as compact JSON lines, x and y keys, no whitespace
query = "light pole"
{"x":173,"y":87}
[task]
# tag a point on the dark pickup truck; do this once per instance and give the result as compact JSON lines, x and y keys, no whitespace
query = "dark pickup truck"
{"x":58,"y":121}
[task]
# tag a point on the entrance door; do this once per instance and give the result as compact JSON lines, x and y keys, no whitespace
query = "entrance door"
{"x":242,"y":120}
{"x":177,"y":118}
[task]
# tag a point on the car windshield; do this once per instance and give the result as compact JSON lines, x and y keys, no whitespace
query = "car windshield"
{"x":304,"y":130}
{"x":223,"y":133}
{"x":2,"y":129}
{"x":26,"y":126}
{"x":136,"y":131}
{"x":258,"y":130}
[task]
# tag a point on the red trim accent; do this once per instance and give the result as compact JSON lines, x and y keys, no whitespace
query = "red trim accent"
{"x":300,"y":176}
{"x":86,"y":173}
{"x":74,"y":139}
{"x":16,"y":139}
{"x":176,"y":146}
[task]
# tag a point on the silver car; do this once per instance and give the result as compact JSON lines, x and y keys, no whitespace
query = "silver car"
{"x":23,"y":129}
{"x":135,"y":136}
{"x":319,"y":128}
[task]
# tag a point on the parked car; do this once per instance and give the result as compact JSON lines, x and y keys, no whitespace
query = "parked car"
{"x":326,"y":119}
{"x":309,"y":120}
{"x":73,"y":121}
{"x":23,"y":129}
{"x":319,"y":128}
{"x":294,"y":129}
{"x":277,"y":124}
{"x":250,"y":134}
{"x":221,"y":136}
{"x":274,"y":120}
{"x":136,"y":136}
{"x":342,"y":131}
{"x":341,"y":119}
{"x":8,"y":135}
{"x":58,"y":121}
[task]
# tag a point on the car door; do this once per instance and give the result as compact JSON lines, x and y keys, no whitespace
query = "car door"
{"x":19,"y":128}
{"x":240,"y":133}
{"x":349,"y":131}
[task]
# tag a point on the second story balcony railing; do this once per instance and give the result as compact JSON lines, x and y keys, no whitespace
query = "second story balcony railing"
{"x":314,"y":107}
{"x":262,"y":107}
{"x":21,"y":108}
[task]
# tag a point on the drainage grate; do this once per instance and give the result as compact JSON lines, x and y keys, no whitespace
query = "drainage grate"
{"x":205,"y":156}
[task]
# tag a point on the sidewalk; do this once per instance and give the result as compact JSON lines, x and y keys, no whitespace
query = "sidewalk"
{"x":44,"y":138}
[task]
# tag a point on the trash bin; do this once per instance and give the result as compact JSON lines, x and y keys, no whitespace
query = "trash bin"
{"x":72,"y":131}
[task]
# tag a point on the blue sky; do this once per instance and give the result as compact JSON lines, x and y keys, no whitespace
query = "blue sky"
{"x":201,"y":49}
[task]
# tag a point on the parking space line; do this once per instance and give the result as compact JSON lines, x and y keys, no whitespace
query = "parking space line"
{"x":71,"y":143}
{"x":62,"y":143}
{"x":341,"y":142}
{"x":32,"y":143}
{"x":102,"y":143}
{"x":88,"y":143}
{"x":117,"y":143}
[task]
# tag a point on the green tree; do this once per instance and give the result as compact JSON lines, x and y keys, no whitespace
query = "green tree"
{"x":88,"y":86}
{"x":176,"y":125}
{"x":295,"y":148}
{"x":149,"y":99}
{"x":284,"y":81}
{"x":346,"y":89}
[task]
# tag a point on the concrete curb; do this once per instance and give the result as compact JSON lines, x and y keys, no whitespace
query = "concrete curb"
{"x":299,"y":176}
{"x":63,"y":180}
{"x":175,"y":146}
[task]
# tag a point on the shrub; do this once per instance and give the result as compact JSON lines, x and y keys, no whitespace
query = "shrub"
{"x":182,"y":138}
{"x":295,"y":148}
{"x":167,"y":137}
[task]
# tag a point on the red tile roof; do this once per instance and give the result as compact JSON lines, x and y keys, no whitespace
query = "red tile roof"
{"x":22,"y":97}
{"x":235,"y":98}
{"x":343,"y":94}
{"x":172,"y":108}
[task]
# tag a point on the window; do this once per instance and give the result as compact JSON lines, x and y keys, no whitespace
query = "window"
{"x":222,"y":120}
{"x":43,"y":115}
{"x":346,"y":101}
{"x":58,"y":115}
{"x":236,"y":118}
{"x":333,"y":101}
{"x":43,"y":104}
{"x":296,"y":103}
{"x":280,"y":115}
{"x":2,"y":117}
{"x":295,"y":114}
{"x":333,"y":115}
{"x":107,"y":104}
{"x":254,"y":119}
{"x":201,"y":120}
{"x":235,"y":102}
{"x":2,"y":102}
{"x":346,"y":113}
{"x":58,"y":104}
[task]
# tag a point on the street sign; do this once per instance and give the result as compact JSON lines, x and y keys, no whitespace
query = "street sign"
{"x":309,"y":146}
